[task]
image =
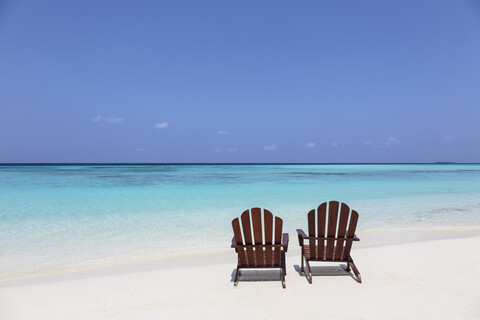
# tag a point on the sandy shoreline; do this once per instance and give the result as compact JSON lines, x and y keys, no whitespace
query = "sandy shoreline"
{"x":436,"y":279}
{"x":222,"y":254}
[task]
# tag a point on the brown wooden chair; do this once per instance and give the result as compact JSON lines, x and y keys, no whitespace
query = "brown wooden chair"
{"x":267,"y":247}
{"x":328,"y":238}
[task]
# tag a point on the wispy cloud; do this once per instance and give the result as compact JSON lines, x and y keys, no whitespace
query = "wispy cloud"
{"x":335,"y":144}
{"x":161,"y":125}
{"x":222,"y":132}
{"x":311,"y":145}
{"x":270,"y":147}
{"x":448,"y":138}
{"x":230,"y":149}
{"x":391,"y":141}
{"x":388,"y":143}
{"x":115,"y":120}
{"x":112,"y":119}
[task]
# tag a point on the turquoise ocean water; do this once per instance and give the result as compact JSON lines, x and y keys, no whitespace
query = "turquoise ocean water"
{"x":57,"y":218}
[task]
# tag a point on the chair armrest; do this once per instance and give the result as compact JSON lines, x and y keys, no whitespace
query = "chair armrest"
{"x":355,"y":238}
{"x":285,"y":240}
{"x":301,"y":236}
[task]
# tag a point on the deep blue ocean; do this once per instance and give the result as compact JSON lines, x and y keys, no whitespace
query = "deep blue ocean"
{"x":57,"y":218}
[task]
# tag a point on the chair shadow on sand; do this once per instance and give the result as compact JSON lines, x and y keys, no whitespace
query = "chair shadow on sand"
{"x":247,"y":275}
{"x":326,"y":271}
{"x":276,"y":275}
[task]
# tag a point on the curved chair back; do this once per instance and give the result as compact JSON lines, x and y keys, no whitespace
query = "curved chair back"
{"x":331,"y":230}
{"x":258,"y":239}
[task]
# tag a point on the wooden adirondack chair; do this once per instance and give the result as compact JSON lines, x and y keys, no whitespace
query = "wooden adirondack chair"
{"x":267,"y":247}
{"x":328,"y":238}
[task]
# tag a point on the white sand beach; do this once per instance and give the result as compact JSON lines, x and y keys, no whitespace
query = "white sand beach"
{"x":436,"y":279}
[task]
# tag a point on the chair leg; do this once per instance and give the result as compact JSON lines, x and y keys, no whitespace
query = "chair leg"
{"x":235,"y":283}
{"x":284,"y":270}
{"x":309,"y":272}
{"x":355,"y":271}
{"x":302,"y":257}
{"x":348,"y":267}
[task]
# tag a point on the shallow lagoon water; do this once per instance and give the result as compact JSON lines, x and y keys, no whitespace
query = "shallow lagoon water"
{"x":57,"y":218}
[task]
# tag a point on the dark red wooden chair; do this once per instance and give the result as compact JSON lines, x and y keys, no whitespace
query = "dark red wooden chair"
{"x":259,"y":245}
{"x":329,"y":239}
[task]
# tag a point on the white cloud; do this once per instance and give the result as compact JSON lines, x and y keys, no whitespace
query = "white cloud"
{"x":448,"y":138}
{"x":389,"y":142}
{"x":116,"y":120}
{"x":231,"y":149}
{"x":222,"y":132}
{"x":336,"y":144}
{"x":161,"y":125}
{"x":270,"y":147}
{"x":310,"y":145}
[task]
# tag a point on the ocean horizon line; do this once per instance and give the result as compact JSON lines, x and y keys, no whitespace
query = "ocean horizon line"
{"x":219,"y":163}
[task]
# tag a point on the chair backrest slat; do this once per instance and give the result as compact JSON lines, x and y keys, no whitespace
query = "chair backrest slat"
{"x":278,"y":230}
{"x":239,"y":240}
{"x":321,"y":226}
{"x":247,"y":230}
{"x":322,"y":220}
{"x":257,"y":233}
{"x":257,"y":225}
{"x":342,"y":230}
{"x":350,"y":233}
{"x":247,"y":234}
{"x":278,"y":239}
{"x":353,"y":224}
{"x":236,"y":231}
{"x":311,"y":232}
{"x":332,"y":226}
{"x":268,"y":227}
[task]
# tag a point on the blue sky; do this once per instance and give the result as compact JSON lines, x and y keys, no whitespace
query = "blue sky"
{"x":240,"y":81}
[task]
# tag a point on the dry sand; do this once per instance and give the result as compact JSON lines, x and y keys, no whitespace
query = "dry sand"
{"x":436,"y":279}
